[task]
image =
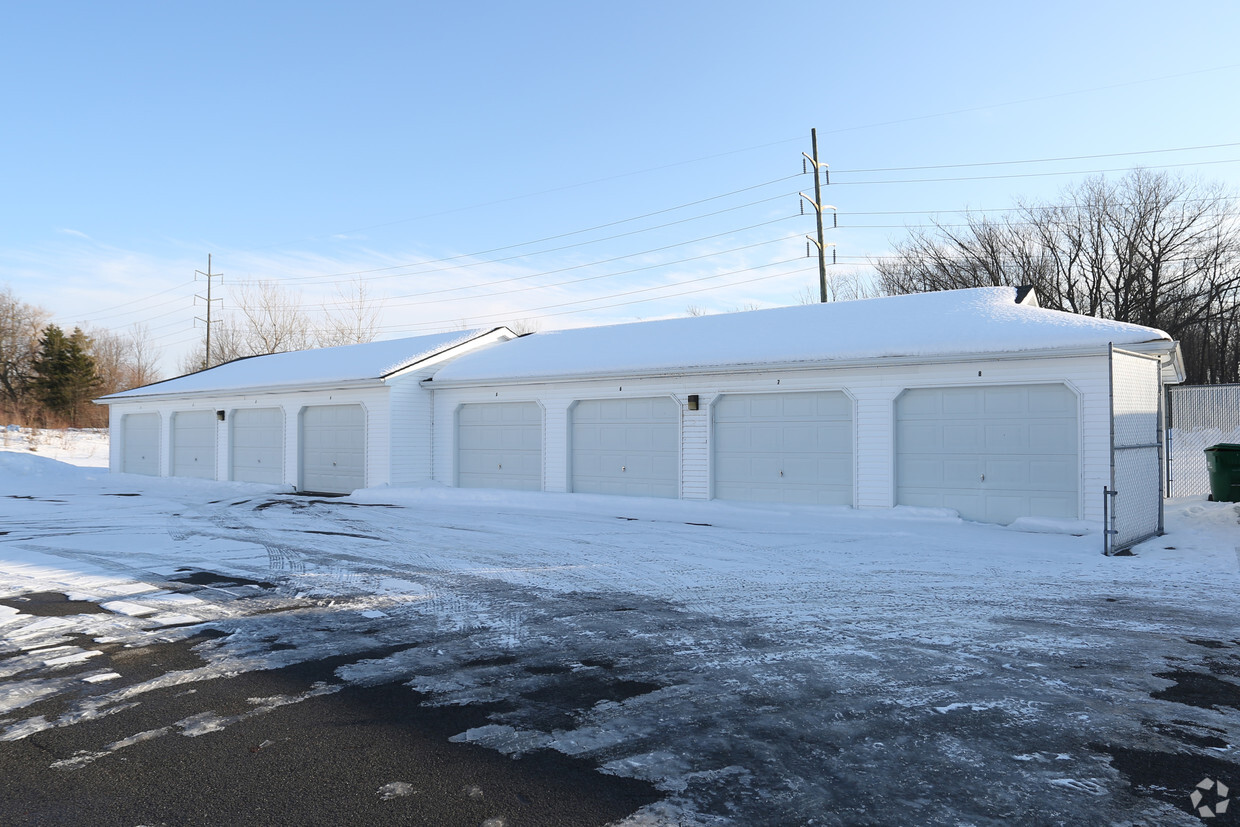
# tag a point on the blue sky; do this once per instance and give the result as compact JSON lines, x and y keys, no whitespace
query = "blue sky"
{"x":422,"y":147}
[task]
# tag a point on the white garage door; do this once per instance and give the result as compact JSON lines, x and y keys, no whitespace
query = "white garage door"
{"x":626,"y":446}
{"x":333,"y":449}
{"x":258,"y":445}
{"x":499,"y":445}
{"x":140,"y":433}
{"x":193,"y":444}
{"x":784,"y":447}
{"x":994,"y":454}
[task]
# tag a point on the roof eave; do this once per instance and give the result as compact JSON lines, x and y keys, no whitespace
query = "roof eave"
{"x":252,"y":390}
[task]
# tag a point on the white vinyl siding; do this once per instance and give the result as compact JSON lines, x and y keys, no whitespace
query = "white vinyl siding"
{"x":626,"y":446}
{"x":141,"y":436}
{"x":499,"y":445}
{"x":257,"y":446}
{"x":333,"y":448}
{"x":784,"y":447}
{"x":193,"y":444}
{"x":994,"y":453}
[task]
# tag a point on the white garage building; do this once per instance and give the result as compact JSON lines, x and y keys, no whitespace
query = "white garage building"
{"x":976,"y":400}
{"x":328,"y":421}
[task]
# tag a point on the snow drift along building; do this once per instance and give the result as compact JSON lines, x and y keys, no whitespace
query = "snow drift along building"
{"x":976,"y":400}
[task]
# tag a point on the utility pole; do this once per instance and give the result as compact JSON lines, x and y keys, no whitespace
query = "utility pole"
{"x":209,"y":276}
{"x":816,"y":203}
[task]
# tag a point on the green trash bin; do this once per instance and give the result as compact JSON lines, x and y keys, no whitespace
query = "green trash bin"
{"x":1223,"y":460}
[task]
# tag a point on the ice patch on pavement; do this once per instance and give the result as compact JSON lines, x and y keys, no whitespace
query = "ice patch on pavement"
{"x":503,"y":738}
{"x":396,"y":789}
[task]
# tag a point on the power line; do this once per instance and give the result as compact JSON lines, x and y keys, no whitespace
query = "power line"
{"x":526,"y":313}
{"x":1032,"y":174}
{"x":646,"y":268}
{"x":1044,"y":160}
{"x":562,"y":235}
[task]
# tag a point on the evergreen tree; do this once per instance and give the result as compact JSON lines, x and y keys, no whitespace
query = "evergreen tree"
{"x":64,"y":373}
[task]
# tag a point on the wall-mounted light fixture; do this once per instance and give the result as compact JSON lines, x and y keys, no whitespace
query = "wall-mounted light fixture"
{"x":693,"y":401}
{"x":219,"y":415}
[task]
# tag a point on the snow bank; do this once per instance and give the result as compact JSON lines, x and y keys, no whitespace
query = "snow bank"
{"x":16,"y":468}
{"x":87,"y":447}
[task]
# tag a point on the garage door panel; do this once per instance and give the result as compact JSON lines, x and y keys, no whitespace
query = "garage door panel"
{"x":1052,"y":438}
{"x":962,"y":472}
{"x":802,"y":470}
{"x":784,"y":447}
{"x":1052,"y":475}
{"x":499,"y":445}
{"x":1052,"y":400}
{"x":834,"y":434}
{"x":958,"y":401}
{"x":193,"y":444}
{"x":1014,"y":473}
{"x":1005,"y":509}
{"x":1006,"y":438}
{"x":970,"y":438}
{"x":836,"y":471}
{"x":798,"y":406}
{"x":1006,"y":400}
{"x":919,"y":433}
{"x":141,"y":436}
{"x":917,"y":473}
{"x":626,"y":446}
{"x":1060,"y":508}
{"x":333,"y":453}
{"x":257,"y":445}
{"x":1001,"y":452}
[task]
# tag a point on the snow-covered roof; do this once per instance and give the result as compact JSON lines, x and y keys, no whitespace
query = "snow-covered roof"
{"x":321,"y":366}
{"x":984,"y":320}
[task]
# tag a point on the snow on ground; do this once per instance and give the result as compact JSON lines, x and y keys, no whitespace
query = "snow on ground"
{"x":759,"y":665}
{"x":86,"y":447}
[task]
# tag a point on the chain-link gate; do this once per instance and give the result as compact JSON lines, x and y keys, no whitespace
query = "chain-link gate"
{"x":1198,"y":416}
{"x":1133,"y":503}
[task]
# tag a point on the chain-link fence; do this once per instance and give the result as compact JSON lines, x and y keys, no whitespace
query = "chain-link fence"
{"x":1135,"y":496}
{"x":1198,"y":416}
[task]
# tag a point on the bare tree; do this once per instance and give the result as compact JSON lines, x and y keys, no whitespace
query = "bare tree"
{"x":1150,"y":248}
{"x":273,"y":318}
{"x":109,"y":352}
{"x":843,"y":285}
{"x":524,"y":327}
{"x":695,"y":310}
{"x":354,"y":321}
{"x":20,"y":328}
{"x":267,"y":318}
{"x":143,"y":357}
